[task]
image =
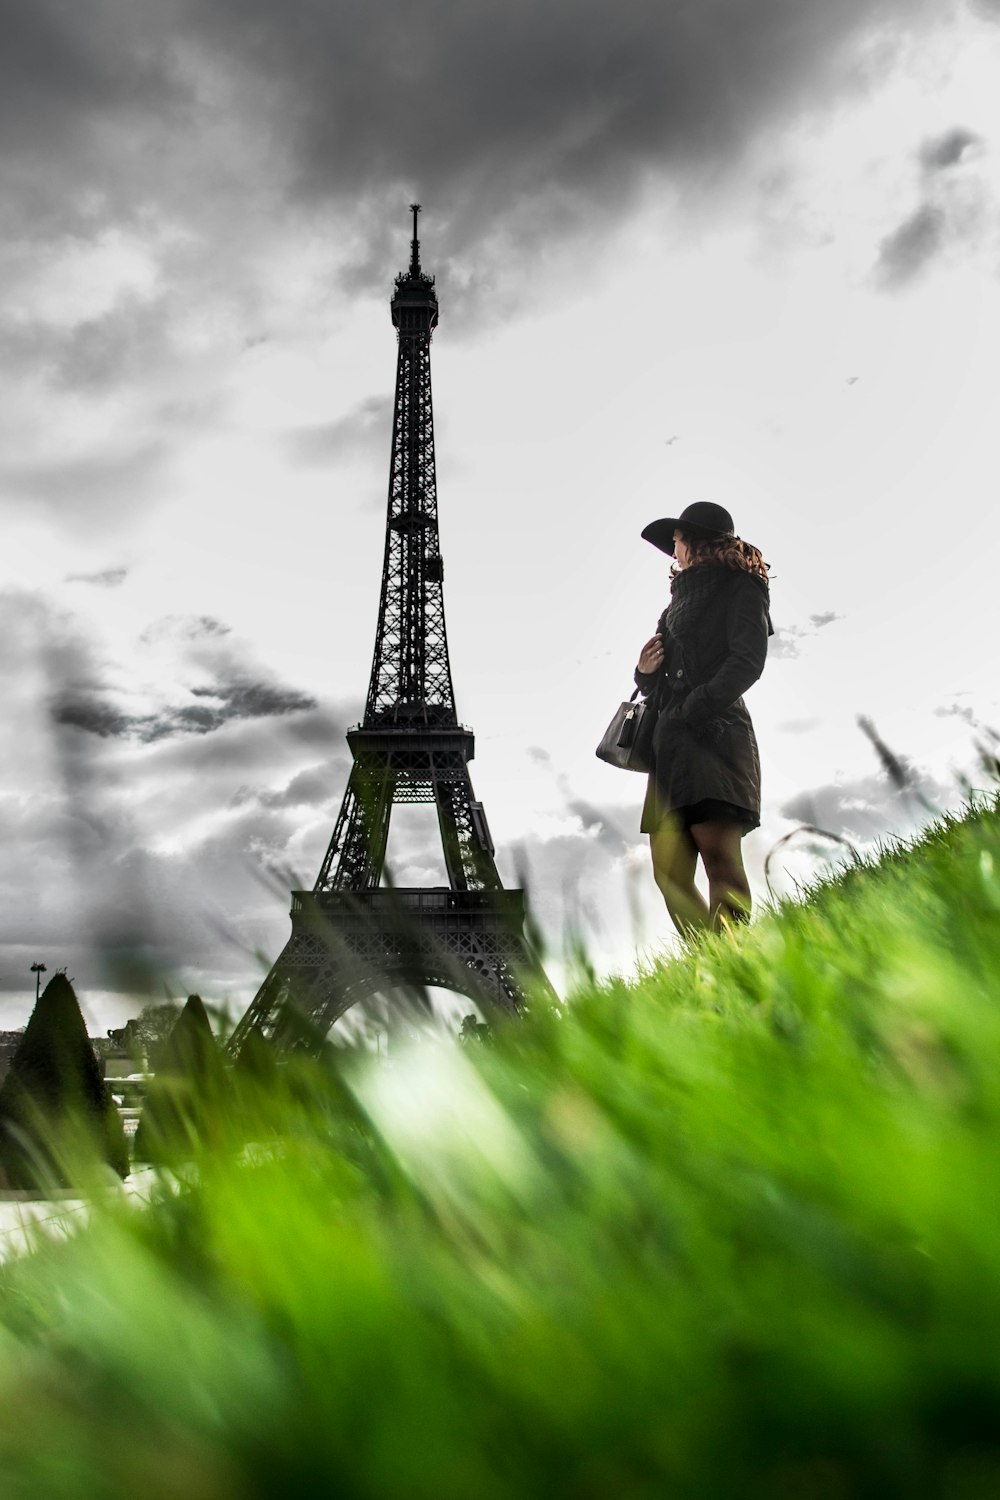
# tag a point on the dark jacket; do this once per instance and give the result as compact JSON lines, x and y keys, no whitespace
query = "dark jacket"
{"x":714,"y":633}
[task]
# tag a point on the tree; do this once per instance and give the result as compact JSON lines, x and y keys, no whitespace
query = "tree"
{"x":153,"y":1027}
{"x":188,"y":1093}
{"x":55,"y":1108}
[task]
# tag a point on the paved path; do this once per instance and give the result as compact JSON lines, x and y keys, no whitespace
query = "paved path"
{"x":25,"y":1220}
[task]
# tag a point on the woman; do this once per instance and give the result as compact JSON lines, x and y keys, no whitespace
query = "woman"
{"x":709,"y":647}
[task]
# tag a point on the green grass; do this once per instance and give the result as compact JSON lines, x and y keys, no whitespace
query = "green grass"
{"x":728,"y":1232}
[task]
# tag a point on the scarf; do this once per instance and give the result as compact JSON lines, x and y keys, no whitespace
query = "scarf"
{"x":694,"y":595}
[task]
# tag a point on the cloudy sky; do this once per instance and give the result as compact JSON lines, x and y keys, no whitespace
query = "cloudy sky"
{"x":744,"y":250}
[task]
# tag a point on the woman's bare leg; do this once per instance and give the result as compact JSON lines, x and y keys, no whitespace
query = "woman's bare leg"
{"x":675,"y":858}
{"x":720,"y":847}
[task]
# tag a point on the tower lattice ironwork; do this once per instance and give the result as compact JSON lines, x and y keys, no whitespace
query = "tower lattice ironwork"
{"x":353,"y":936}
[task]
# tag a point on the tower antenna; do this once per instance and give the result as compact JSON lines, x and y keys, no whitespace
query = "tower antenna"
{"x":415,"y":243}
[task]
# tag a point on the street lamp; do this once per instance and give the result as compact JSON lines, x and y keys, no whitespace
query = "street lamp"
{"x":38,"y":970}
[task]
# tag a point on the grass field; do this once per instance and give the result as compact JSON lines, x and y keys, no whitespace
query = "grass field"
{"x":730,"y":1231}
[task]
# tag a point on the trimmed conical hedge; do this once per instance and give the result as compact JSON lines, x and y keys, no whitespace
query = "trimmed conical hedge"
{"x":55,"y":1108}
{"x":256,"y":1060}
{"x":188,"y":1094}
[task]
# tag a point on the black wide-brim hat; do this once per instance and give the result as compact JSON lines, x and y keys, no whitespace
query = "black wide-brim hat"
{"x":702,"y":519}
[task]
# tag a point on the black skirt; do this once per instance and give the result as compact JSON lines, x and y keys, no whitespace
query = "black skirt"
{"x":715,"y":763}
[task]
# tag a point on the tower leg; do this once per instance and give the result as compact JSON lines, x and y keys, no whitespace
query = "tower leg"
{"x":467,"y":851}
{"x":356,"y":854}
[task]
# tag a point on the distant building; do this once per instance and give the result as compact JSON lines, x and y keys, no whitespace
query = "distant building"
{"x":8,"y":1046}
{"x":126,"y":1070}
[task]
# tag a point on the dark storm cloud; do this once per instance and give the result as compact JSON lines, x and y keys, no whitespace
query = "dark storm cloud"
{"x":367,"y":425}
{"x":957,"y":212}
{"x":867,"y":808}
{"x":514,"y":120}
{"x":62,"y":64}
{"x":101,"y":352}
{"x":244,"y":700}
{"x":321,"y":728}
{"x":509,"y":105}
{"x":251,"y":758}
{"x":584,"y":881}
{"x":134,"y":862}
{"x":154,"y":916}
{"x":870,"y":807}
{"x":84,"y":90}
{"x":222,"y":703}
{"x":612,"y":830}
{"x":906,"y":252}
{"x":946,"y":150}
{"x":108,"y":578}
{"x":134,"y":354}
{"x":86,"y":694}
{"x":76,"y":711}
{"x":89,"y":484}
{"x":313,"y":787}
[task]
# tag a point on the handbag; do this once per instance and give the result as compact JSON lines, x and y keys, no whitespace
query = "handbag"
{"x":628,"y":740}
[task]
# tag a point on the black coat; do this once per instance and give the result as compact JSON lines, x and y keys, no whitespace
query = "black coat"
{"x":714,"y":634}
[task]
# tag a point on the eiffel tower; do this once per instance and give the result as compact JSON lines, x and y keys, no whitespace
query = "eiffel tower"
{"x":353,"y":936}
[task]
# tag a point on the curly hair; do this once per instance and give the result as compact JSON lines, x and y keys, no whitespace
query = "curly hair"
{"x":723,"y":552}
